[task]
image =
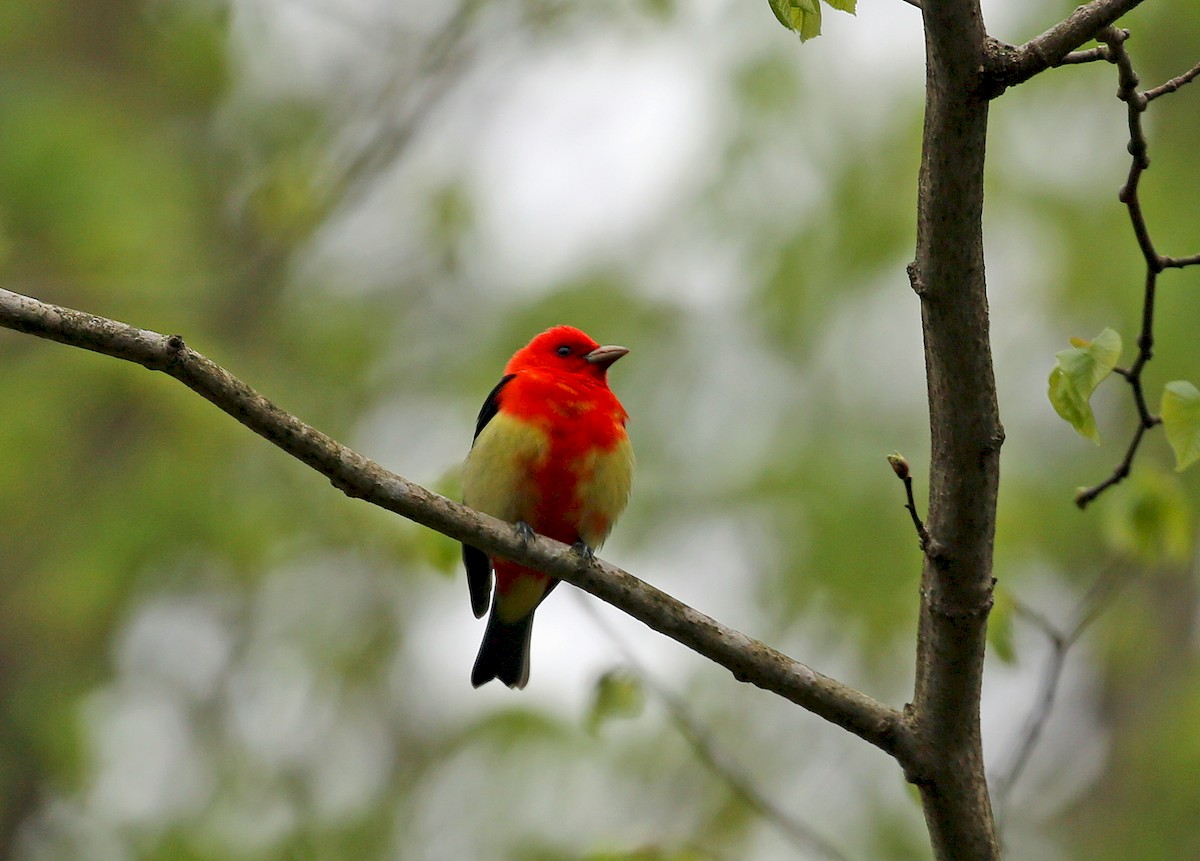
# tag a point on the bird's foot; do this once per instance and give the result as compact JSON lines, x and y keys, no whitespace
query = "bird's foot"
{"x":581,"y":547}
{"x":524,"y":531}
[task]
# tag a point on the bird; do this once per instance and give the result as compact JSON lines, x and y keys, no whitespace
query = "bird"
{"x":550,"y":455}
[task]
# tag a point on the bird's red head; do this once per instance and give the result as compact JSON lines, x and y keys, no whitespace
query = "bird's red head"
{"x":565,"y":349}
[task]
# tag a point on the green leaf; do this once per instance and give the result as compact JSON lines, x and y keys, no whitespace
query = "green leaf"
{"x":1180,"y":412}
{"x":804,"y":16}
{"x":1078,"y":372}
{"x":618,"y":694}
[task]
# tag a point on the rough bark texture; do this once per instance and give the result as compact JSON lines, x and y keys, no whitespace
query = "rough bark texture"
{"x":965,"y":68}
{"x":1006,"y":66}
{"x":956,"y":586}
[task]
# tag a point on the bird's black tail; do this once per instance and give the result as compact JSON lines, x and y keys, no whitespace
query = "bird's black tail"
{"x":504,"y":653}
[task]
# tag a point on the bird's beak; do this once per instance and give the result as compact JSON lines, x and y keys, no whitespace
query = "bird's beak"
{"x":605,"y":356}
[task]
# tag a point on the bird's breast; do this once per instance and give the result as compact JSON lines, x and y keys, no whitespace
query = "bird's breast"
{"x":498,"y":474}
{"x":556,"y":456}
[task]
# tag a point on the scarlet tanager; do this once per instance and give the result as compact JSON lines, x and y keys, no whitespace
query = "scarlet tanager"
{"x":551,"y":456}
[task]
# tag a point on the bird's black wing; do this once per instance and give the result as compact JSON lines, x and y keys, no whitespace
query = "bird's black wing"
{"x":491,"y":406}
{"x":479,"y":567}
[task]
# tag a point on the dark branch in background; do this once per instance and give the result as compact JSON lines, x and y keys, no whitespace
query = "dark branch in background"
{"x":1136,"y":104}
{"x":800,"y":834}
{"x":437,"y":64}
{"x":358,"y":477}
{"x":1089,"y":608}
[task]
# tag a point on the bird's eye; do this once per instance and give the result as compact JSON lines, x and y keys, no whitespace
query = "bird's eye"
{"x":564,"y":350}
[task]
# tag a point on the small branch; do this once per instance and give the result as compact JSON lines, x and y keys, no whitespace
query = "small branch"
{"x":1087,"y":495}
{"x":802,"y":835}
{"x":904,"y":473}
{"x":1008,"y":66}
{"x":1090,"y":55}
{"x":1179,"y":262}
{"x":1136,"y":104}
{"x":1080,"y":26}
{"x":1173,"y":84}
{"x":356,"y":476}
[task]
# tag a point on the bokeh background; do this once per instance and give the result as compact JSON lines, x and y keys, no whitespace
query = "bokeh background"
{"x":362,"y":208}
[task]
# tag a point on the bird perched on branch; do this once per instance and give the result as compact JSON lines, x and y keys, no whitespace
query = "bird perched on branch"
{"x":550,"y":456}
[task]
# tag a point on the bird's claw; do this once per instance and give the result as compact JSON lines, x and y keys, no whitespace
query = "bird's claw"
{"x":582,"y":548}
{"x":524,"y":531}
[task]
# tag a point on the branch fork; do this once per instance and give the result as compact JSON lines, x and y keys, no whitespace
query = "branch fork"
{"x":1136,"y":103}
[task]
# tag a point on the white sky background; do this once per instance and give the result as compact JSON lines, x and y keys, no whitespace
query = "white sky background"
{"x":576,"y":149}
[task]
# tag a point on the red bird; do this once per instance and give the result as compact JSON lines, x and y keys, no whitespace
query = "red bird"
{"x":551,"y":456}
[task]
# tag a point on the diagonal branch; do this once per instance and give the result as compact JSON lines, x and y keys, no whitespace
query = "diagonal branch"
{"x":749,"y":660}
{"x":1008,"y":66}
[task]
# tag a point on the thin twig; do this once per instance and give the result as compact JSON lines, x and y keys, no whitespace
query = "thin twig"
{"x":1136,"y":104}
{"x":1087,"y":495}
{"x":904,"y":473}
{"x":1180,"y":262}
{"x":708,"y":751}
{"x":1173,"y":84}
{"x":1089,"y":55}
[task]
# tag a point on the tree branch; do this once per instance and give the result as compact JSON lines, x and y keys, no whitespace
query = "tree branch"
{"x":358,"y":477}
{"x":965,"y":431}
{"x":1007,"y":66}
{"x":1139,"y":160}
{"x":1090,"y":55}
{"x":1173,"y":84}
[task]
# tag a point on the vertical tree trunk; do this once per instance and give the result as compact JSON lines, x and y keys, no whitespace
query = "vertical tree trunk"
{"x":956,"y":586}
